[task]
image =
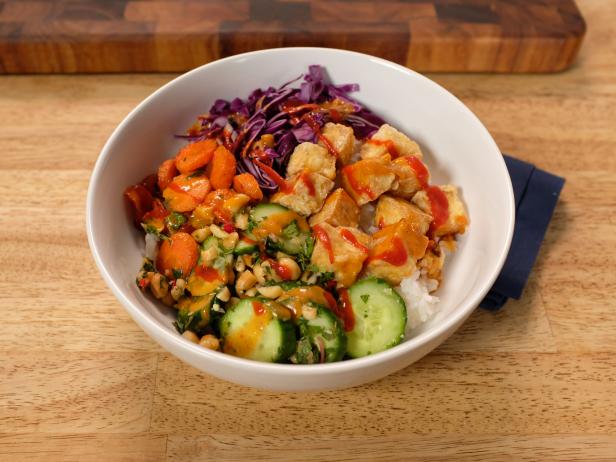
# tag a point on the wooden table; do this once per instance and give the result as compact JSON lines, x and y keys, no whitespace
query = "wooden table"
{"x":80,"y":381}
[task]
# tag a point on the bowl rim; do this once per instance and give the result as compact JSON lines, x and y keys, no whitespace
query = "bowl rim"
{"x":152,"y":327}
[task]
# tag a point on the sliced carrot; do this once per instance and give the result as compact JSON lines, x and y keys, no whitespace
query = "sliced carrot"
{"x":166,"y":172}
{"x":246,"y":183}
{"x":222,"y":168}
{"x":186,"y":192}
{"x":195,"y":155}
{"x":140,"y":201}
{"x":179,"y":252}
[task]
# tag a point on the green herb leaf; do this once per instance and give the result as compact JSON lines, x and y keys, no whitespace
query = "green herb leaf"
{"x":174,"y":221}
{"x":291,"y":230}
{"x":365,"y":298}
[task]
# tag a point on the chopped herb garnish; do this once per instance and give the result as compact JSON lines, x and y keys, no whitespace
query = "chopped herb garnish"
{"x":365,"y":298}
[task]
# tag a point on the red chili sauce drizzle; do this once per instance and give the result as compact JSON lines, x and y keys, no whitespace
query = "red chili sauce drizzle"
{"x":258,"y":308}
{"x":283,"y":185}
{"x":421,"y":172}
{"x":281,"y":270}
{"x":322,"y":236}
{"x":439,"y":206}
{"x":351,"y":239}
{"x":207,"y":273}
{"x":158,"y":211}
{"x":355,"y":184}
{"x":345,"y":310}
{"x":391,"y":148}
{"x":316,"y":128}
{"x":305,"y":177}
{"x":396,"y":256}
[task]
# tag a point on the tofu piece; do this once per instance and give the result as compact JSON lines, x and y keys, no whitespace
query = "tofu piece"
{"x":457,"y":218}
{"x":339,"y":210}
{"x":341,"y":138}
{"x":395,"y":251}
{"x":390,"y":210}
{"x":306,"y":194}
{"x":432,"y":264}
{"x":313,"y":158}
{"x":401,"y":145}
{"x":367,"y":179}
{"x":341,"y":250}
{"x":412,"y":176}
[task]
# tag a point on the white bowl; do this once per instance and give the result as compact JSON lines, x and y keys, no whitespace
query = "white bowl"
{"x":458,"y":150}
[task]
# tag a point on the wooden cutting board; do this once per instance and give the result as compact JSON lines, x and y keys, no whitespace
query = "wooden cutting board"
{"x":70,"y":36}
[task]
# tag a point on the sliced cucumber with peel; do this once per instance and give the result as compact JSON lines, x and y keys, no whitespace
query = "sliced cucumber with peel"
{"x":324,"y":335}
{"x":380,"y":317}
{"x":258,"y":336}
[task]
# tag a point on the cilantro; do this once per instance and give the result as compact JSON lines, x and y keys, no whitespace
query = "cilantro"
{"x":291,"y":230}
{"x":148,"y":265}
{"x":325,"y":277}
{"x":150,"y":229}
{"x":365,"y":298}
{"x":177,"y":273}
{"x":174,"y":221}
{"x":187,"y":321}
{"x":305,"y":354}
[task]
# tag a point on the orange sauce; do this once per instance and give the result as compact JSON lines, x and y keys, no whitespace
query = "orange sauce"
{"x":357,"y":185}
{"x":391,"y":147}
{"x":323,"y":238}
{"x":207,"y":274}
{"x":274,"y":224}
{"x":396,"y":255}
{"x":351,"y":239}
{"x":243,"y":341}
{"x":297,"y":297}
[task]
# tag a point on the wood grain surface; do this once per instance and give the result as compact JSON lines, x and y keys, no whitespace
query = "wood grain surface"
{"x":79,"y":381}
{"x":73,"y":36}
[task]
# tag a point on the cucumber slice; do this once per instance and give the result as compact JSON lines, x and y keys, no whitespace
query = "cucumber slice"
{"x":380,"y":317}
{"x":245,"y":245}
{"x":324,"y":332}
{"x":262,"y":211}
{"x":194,"y":313}
{"x":252,"y":330}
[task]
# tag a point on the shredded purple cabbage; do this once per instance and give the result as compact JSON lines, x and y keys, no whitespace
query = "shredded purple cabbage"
{"x":239,"y":124}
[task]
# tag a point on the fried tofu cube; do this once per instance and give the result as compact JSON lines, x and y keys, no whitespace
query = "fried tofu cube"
{"x":432,"y":264}
{"x":457,"y":218}
{"x":395,"y":251}
{"x":341,"y":250}
{"x":341,"y":138}
{"x":389,"y":141}
{"x":367,"y":179}
{"x":412,"y":175}
{"x":306,"y":193}
{"x":338,"y":210}
{"x":313,"y":158}
{"x":390,"y":210}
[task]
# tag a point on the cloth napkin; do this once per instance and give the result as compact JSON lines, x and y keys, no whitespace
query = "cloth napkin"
{"x":536,"y":194}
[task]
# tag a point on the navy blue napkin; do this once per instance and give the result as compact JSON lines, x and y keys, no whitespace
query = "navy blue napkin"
{"x":536,"y":194}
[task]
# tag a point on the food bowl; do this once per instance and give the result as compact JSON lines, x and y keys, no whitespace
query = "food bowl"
{"x":457,"y":148}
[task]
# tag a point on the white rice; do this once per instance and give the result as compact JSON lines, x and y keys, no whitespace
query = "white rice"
{"x":366,"y":218}
{"x":151,"y":246}
{"x":420,"y":305}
